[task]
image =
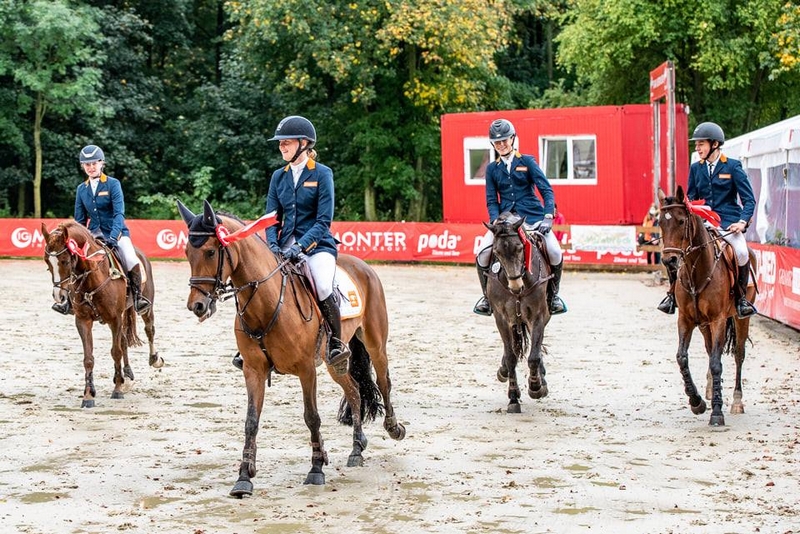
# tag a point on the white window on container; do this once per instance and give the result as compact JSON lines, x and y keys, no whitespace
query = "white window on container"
{"x":478,"y":153}
{"x":571,"y":159}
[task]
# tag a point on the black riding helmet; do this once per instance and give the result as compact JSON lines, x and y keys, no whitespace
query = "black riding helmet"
{"x":708,"y":131}
{"x":91,"y":153}
{"x":296,"y":127}
{"x":501,"y":129}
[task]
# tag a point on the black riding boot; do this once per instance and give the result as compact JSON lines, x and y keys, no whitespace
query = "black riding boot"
{"x":668,"y":304}
{"x":63,"y":307}
{"x":743,"y":306}
{"x":140,"y":302}
{"x":482,"y":307}
{"x":556,"y":304}
{"x":338,"y":351}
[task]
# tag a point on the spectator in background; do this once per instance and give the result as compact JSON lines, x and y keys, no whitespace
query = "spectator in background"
{"x":646,"y":238}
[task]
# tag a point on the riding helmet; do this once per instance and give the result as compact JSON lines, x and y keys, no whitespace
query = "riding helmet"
{"x":295,"y":127}
{"x":501,"y":129}
{"x":91,"y":153}
{"x":708,"y":131}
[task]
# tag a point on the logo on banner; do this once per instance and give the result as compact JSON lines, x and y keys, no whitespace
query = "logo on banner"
{"x":169,"y":240}
{"x":376,"y":241}
{"x":444,"y":244}
{"x":24,"y":238}
{"x":796,"y":280}
{"x":767,"y":265}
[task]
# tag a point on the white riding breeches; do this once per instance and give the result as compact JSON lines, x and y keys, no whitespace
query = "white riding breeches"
{"x":127,"y":254}
{"x":739,"y":244}
{"x":323,"y":270}
{"x":550,"y":241}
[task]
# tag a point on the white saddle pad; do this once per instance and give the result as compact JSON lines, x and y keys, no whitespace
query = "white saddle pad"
{"x":351,"y":303}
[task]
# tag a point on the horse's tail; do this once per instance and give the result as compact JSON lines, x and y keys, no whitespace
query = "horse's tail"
{"x":129,"y":336}
{"x":361,"y":371}
{"x":521,"y":339}
{"x":730,"y":336}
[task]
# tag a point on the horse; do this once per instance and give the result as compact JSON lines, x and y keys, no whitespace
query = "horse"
{"x":517,"y":291}
{"x":704,"y":294}
{"x":279,"y":327}
{"x":82,"y":271}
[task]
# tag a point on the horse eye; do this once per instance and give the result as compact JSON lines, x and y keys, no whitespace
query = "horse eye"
{"x":210,"y":253}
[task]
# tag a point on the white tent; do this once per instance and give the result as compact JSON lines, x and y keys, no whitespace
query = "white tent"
{"x":771,"y":157}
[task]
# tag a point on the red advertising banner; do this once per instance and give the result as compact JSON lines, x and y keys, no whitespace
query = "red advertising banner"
{"x":778,"y":283}
{"x":659,"y":81}
{"x":779,"y":267}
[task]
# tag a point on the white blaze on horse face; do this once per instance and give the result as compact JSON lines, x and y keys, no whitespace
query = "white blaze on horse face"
{"x":58,"y":294}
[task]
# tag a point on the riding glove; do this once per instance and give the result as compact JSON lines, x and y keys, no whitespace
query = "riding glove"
{"x":293,"y":253}
{"x":545,"y":226}
{"x":275,"y":249}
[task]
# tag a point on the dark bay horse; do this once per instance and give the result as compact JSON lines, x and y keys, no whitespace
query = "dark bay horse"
{"x":517,"y":290}
{"x":705,"y":299}
{"x":85,"y":274}
{"x":278,"y":327}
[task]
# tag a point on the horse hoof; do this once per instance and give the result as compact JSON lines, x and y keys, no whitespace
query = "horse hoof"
{"x":717,"y":420}
{"x":117,"y":395}
{"x":315,"y":479}
{"x":514,"y":407}
{"x":355,"y":460}
{"x":156,"y":361}
{"x":502,"y":374}
{"x":538,"y":393}
{"x":700,"y":408}
{"x":398,"y":432}
{"x":737,"y":409}
{"x":128,"y":372}
{"x":87,"y":403}
{"x":242,"y":488}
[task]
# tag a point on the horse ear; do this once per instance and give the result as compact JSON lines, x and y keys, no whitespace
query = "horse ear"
{"x":209,"y":216}
{"x":45,"y":233}
{"x":661,"y":196}
{"x":519,"y":223}
{"x":186,"y":213}
{"x":679,"y":194}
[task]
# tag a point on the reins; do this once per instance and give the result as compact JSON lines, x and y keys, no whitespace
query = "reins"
{"x":690,"y":248}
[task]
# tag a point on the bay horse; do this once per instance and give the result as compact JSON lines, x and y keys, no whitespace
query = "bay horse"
{"x":704,"y":293}
{"x":279,"y":327}
{"x":82,"y":270}
{"x":517,"y":291}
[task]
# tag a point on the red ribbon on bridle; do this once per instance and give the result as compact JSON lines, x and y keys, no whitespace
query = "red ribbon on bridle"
{"x":527,"y":246}
{"x":76,"y":250}
{"x":226,"y":238}
{"x":698,"y":207}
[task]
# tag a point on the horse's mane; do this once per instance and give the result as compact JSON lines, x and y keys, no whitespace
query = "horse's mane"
{"x":76,"y":231}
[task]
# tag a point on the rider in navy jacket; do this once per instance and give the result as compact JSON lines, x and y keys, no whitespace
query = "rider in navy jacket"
{"x":302,"y":195}
{"x":100,"y":205}
{"x":725,"y":187}
{"x":511,"y":184}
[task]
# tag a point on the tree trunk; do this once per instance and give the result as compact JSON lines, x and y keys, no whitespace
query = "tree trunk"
{"x":21,"y":199}
{"x":37,"y":147}
{"x":370,"y":213}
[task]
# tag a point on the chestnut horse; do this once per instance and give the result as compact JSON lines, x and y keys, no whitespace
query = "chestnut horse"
{"x":517,"y":290}
{"x":85,"y":274}
{"x":705,"y":297}
{"x":278,"y":327}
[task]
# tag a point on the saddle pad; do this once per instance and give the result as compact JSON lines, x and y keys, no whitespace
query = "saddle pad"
{"x":352,"y":303}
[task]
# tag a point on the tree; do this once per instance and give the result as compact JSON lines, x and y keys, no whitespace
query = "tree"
{"x":50,"y":51}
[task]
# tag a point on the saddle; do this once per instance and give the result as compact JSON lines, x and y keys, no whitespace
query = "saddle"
{"x":722,"y":248}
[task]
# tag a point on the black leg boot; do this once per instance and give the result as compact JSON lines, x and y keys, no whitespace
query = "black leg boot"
{"x":668,"y":304}
{"x":553,"y":285}
{"x":338,"y":351}
{"x":743,"y":306}
{"x":482,"y":307}
{"x":140,"y":302}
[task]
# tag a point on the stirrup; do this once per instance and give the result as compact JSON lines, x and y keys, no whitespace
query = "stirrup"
{"x":482,"y":307}
{"x":64,"y":307}
{"x":338,"y":356}
{"x":744,"y":309}
{"x":558,"y":306}
{"x":668,"y":304}
{"x":141,"y":304}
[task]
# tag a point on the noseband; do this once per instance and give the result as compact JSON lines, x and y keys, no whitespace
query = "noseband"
{"x":508,"y":235}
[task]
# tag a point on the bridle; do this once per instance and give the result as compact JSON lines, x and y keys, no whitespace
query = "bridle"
{"x":504,"y":234}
